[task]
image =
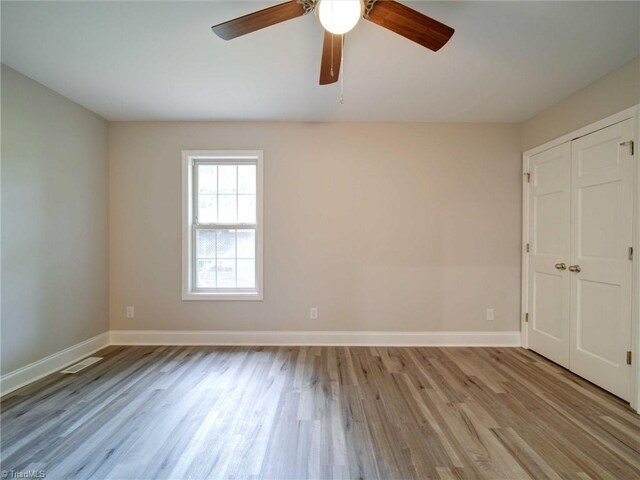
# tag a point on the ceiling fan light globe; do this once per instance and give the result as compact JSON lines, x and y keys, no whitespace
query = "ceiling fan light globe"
{"x":339,"y":16}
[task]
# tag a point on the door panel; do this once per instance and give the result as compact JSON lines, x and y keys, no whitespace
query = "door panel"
{"x":598,"y":228}
{"x":549,"y":211}
{"x":548,"y":305}
{"x":598,"y":301}
{"x":601,"y":234}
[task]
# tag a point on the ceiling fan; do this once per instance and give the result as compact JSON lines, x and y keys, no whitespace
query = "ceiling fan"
{"x":338,"y":17}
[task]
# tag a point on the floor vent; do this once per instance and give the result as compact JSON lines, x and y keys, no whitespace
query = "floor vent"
{"x":81,"y":365}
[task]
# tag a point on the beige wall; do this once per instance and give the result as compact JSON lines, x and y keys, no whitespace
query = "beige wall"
{"x":405,"y":227}
{"x":611,"y":94}
{"x":382,"y":226}
{"x":54,"y":222}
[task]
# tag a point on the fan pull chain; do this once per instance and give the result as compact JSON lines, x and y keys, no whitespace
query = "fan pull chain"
{"x":341,"y":70}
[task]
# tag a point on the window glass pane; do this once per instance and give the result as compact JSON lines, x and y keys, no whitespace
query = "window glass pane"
{"x":206,"y":243}
{"x":227,"y":208}
{"x":207,"y":178}
{"x":207,"y":207}
{"x":206,"y":274}
{"x":246,"y":208}
{"x":226,"y":243}
{"x":226,"y":273}
{"x":247,"y":273}
{"x":247,"y":179}
{"x":225,"y":258}
{"x":227,"y":179}
{"x":246,"y":244}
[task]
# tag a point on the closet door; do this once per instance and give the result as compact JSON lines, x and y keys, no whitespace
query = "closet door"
{"x":549,"y":214}
{"x":601,"y":234}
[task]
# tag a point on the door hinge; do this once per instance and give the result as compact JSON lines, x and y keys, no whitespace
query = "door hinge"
{"x":630,"y":253}
{"x":631,"y":146}
{"x":528,"y":247}
{"x":528,"y":175}
{"x":628,"y":358}
{"x":526,"y":317}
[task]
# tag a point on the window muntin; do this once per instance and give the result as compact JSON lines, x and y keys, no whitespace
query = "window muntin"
{"x":224,"y":226}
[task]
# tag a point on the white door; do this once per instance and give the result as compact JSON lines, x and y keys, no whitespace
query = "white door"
{"x":601,"y":235}
{"x":549,"y":253}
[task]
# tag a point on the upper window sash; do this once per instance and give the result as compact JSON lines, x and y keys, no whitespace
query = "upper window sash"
{"x":196,"y":220}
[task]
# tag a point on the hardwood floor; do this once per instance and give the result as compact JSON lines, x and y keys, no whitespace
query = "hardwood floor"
{"x":319,"y":412}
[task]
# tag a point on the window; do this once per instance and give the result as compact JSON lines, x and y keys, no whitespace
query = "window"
{"x":222,"y":225}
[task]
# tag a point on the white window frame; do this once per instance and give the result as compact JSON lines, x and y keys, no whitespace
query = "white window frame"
{"x":189,"y":225}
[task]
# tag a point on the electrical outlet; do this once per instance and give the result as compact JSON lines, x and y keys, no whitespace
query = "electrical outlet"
{"x":489,"y":314}
{"x":130,"y":312}
{"x":313,"y":313}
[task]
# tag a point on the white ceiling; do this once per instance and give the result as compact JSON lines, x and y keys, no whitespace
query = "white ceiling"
{"x":506,"y":62}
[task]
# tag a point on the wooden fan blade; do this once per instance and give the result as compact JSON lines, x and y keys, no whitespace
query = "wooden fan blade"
{"x":410,"y":24}
{"x":334,"y":42}
{"x":258,"y":20}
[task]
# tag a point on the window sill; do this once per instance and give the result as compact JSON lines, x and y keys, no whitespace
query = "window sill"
{"x":208,"y":296}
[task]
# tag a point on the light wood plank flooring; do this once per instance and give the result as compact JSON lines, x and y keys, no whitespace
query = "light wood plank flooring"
{"x":319,"y":412}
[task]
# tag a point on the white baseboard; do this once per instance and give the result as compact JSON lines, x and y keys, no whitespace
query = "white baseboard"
{"x":36,"y":370}
{"x":53,"y":363}
{"x":404,"y":339}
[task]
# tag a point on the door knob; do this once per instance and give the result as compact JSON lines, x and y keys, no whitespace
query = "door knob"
{"x":561,"y":266}
{"x":574,"y":268}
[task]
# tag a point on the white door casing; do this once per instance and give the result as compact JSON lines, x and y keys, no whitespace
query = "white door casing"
{"x":601,"y":235}
{"x":549,"y":253}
